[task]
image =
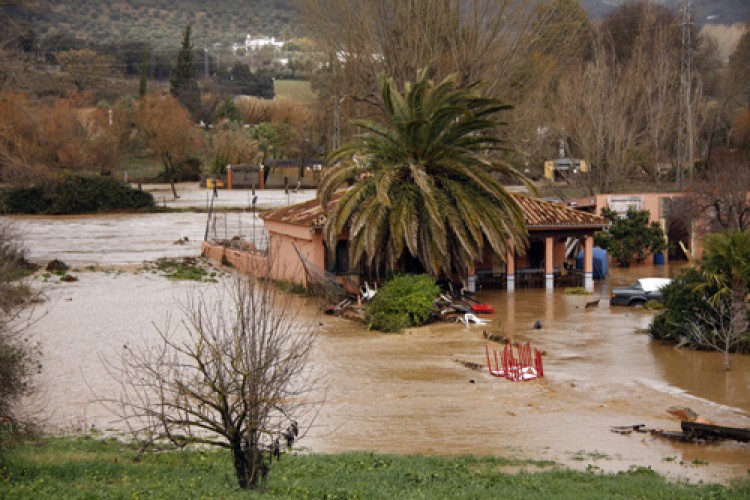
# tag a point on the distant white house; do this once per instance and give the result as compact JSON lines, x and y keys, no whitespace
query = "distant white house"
{"x":257,"y":43}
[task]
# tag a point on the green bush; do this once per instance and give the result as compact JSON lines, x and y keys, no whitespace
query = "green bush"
{"x":31,"y":200}
{"x":682,"y":302}
{"x":685,"y":301}
{"x":76,"y":195}
{"x":404,"y":301}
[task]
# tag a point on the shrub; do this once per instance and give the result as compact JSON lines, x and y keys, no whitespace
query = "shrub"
{"x":681,"y":302}
{"x":76,"y":195}
{"x":404,"y":301}
{"x":19,"y":356}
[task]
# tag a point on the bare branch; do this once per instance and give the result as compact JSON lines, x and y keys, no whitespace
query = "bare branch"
{"x":233,"y":373}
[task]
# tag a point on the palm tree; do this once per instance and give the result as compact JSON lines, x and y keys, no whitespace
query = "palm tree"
{"x":726,"y":264}
{"x":422,"y":186}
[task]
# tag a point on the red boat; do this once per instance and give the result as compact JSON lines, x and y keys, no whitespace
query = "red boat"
{"x":482,"y":309}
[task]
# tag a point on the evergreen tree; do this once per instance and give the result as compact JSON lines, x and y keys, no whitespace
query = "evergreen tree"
{"x":143,"y":88}
{"x":630,"y":237}
{"x":184,"y":85}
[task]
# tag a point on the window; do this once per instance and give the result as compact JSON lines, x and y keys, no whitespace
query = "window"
{"x":621,"y":204}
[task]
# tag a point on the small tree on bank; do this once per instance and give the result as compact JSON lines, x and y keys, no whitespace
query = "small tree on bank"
{"x":166,"y":128}
{"x":706,"y":306}
{"x":630,"y":237}
{"x":716,"y":332}
{"x":234,"y":376}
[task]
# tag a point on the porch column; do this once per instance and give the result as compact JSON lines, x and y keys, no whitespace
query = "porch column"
{"x":471,"y":285}
{"x":588,"y":263}
{"x":510,"y":267}
{"x":549,"y":263}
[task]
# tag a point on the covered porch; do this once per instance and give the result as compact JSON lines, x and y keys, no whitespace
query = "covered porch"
{"x":556,"y":234}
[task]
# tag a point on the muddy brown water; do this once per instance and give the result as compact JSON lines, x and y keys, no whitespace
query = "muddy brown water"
{"x":407,"y":393}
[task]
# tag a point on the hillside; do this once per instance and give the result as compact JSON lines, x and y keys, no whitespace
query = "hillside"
{"x":704,"y":11}
{"x":160,"y":22}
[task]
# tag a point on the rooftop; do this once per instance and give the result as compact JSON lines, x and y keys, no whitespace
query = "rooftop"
{"x":538,"y":214}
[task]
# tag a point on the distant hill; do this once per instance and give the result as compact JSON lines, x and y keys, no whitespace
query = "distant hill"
{"x":159,"y":22}
{"x":704,"y":11}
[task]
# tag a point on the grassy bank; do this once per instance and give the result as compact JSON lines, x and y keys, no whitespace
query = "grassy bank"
{"x":89,"y":468}
{"x":296,"y":90}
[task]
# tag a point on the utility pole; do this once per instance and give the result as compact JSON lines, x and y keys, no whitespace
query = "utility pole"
{"x":205,"y":60}
{"x":685,"y":154}
{"x":336,"y":129}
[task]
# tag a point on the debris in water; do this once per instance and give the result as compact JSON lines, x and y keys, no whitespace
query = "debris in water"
{"x":516,"y":363}
{"x":686,"y":414}
{"x":56,"y":265}
{"x":593,"y":303}
{"x":470,"y":364}
{"x":496,"y":337}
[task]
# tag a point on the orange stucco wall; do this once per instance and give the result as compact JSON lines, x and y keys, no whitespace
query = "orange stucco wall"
{"x":648,"y":201}
{"x":244,"y":261}
{"x":281,"y":255}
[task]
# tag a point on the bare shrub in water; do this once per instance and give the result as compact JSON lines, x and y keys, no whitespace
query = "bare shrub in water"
{"x":19,"y":356}
{"x":233,"y":374}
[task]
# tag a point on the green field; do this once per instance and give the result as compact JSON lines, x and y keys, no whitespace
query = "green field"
{"x":91,"y":468}
{"x":296,"y":90}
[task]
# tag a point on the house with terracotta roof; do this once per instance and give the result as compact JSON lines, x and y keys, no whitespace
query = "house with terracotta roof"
{"x":684,"y":237}
{"x":296,"y":249}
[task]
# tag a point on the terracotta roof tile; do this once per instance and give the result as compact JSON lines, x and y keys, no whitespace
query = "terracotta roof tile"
{"x":537,"y":213}
{"x":540,"y":213}
{"x":309,"y":213}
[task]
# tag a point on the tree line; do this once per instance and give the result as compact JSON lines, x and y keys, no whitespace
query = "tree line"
{"x":613,"y":92}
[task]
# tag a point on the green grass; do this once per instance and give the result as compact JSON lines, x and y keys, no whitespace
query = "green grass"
{"x":185,"y":269}
{"x":90,"y":468}
{"x":296,"y":90}
{"x":139,"y":168}
{"x":289,"y":287}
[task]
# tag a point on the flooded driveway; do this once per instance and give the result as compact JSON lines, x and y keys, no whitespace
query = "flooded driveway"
{"x":408,"y":393}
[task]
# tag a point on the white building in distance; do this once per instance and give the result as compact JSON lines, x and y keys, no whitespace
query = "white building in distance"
{"x":257,"y":43}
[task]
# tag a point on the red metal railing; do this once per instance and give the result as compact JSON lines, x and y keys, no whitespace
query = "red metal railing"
{"x":519,"y":363}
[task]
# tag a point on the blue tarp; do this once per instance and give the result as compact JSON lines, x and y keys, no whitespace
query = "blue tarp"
{"x":601,"y":266}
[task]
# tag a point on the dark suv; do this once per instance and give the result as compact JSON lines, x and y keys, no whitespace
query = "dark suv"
{"x":640,"y":292}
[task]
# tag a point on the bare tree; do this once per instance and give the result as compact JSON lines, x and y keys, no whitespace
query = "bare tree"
{"x":87,"y":69}
{"x":19,"y":356}
{"x":234,"y":374}
{"x":598,"y":112}
{"x":167,"y":129}
{"x":716,"y":331}
{"x":656,"y":59}
{"x":515,"y":48}
{"x":719,"y":190}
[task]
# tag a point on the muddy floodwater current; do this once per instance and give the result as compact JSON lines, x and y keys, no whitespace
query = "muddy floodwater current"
{"x":408,"y":393}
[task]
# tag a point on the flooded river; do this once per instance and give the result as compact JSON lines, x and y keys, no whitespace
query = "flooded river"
{"x":408,"y":393}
